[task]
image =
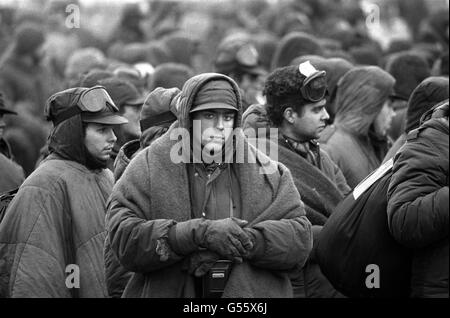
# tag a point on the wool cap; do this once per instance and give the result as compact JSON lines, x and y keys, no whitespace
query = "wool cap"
{"x":216,"y":94}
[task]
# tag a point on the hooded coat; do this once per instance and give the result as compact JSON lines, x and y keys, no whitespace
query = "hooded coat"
{"x":56,"y":219}
{"x":353,"y":146}
{"x":321,"y":189}
{"x":141,"y":210}
{"x":430,"y":92}
{"x":418,"y":206}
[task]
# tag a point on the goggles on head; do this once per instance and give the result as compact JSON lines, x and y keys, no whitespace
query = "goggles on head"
{"x":314,"y":86}
{"x":92,"y":100}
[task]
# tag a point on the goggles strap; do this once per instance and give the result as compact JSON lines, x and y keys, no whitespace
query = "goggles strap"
{"x":66,"y":114}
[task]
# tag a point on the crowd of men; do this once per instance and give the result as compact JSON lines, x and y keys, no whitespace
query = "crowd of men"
{"x":167,"y":163}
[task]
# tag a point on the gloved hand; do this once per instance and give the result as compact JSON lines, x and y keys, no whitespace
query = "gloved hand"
{"x":227,"y":238}
{"x":200,"y":262}
{"x":185,"y":237}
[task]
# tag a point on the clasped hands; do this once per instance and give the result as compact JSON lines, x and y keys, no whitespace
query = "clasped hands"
{"x":221,"y":239}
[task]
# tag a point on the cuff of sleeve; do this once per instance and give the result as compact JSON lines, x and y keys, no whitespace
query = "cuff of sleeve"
{"x":182,"y":236}
{"x":258,"y":244}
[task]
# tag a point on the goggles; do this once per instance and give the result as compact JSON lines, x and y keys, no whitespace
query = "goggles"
{"x":314,"y":86}
{"x":92,"y":100}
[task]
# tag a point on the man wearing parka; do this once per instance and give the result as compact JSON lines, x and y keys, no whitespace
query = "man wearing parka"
{"x":171,"y":218}
{"x":418,"y":203}
{"x":427,"y":94}
{"x":52,"y":236}
{"x":363,"y":115}
{"x":300,"y":120}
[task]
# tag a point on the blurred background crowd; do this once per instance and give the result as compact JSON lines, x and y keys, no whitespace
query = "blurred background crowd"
{"x":132,"y":47}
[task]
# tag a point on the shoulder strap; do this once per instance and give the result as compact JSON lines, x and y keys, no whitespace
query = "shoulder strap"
{"x":376,"y":175}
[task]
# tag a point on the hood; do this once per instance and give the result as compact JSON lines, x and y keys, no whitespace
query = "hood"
{"x":360,"y":95}
{"x":67,"y":140}
{"x":430,"y":92}
{"x":186,"y":100}
{"x":437,"y":117}
{"x":190,"y":90}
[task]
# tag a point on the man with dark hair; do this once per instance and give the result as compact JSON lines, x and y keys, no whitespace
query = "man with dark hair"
{"x":296,"y":106}
{"x":190,"y":226}
{"x":55,"y":223}
{"x":239,"y":59}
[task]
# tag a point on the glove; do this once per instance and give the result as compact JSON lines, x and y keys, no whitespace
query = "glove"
{"x":227,"y":238}
{"x":200,"y":262}
{"x":185,"y":237}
